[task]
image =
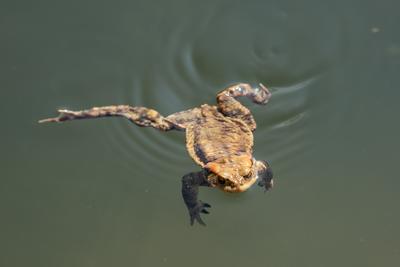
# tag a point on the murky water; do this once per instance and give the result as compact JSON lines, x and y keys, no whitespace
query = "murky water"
{"x":107,"y":193}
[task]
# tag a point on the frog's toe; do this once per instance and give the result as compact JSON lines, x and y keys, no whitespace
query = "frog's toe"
{"x":266,"y":184}
{"x":195,"y":211}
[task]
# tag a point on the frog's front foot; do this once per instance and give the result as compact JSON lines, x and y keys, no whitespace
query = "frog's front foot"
{"x":267,"y":185}
{"x":190,"y":190}
{"x":265,"y":175}
{"x":195,"y":211}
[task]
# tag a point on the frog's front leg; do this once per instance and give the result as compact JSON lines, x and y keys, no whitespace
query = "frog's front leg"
{"x":229,"y":106}
{"x":141,"y":116}
{"x":190,"y":191}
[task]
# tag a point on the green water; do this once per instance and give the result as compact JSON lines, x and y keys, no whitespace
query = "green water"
{"x":107,"y":193}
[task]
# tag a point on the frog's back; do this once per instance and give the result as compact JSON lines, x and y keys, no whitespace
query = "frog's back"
{"x":212,"y":137}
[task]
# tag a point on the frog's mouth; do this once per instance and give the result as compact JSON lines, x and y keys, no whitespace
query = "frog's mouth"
{"x":231,"y":185}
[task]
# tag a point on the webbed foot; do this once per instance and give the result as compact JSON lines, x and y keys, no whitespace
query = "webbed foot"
{"x":267,"y":185}
{"x":261,"y":95}
{"x":64,"y":115}
{"x":195,"y":211}
{"x":265,"y":175}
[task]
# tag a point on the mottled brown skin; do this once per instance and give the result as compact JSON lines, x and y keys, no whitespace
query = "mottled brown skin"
{"x":218,"y":138}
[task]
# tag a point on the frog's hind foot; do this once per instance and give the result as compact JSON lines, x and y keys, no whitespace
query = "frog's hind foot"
{"x":259,"y":95}
{"x":64,"y":115}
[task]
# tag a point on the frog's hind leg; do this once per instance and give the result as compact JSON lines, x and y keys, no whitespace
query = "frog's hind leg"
{"x":190,"y":190}
{"x":141,"y":116}
{"x":229,"y":106}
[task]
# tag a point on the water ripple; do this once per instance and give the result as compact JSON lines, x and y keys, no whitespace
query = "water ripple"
{"x":229,"y":45}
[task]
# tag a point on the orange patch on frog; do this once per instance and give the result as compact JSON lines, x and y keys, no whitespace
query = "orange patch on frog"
{"x":214,"y":167}
{"x":231,"y":167}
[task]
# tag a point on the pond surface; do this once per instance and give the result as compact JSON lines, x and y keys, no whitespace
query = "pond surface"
{"x":107,"y":193}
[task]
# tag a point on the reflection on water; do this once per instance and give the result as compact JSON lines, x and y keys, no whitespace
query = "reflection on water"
{"x":107,"y":193}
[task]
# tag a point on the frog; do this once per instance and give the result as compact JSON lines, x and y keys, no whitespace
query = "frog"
{"x":219,"y":138}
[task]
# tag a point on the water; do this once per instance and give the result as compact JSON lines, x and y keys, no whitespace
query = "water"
{"x":107,"y":193}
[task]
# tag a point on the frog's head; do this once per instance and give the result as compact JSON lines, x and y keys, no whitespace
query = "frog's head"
{"x":238,"y":174}
{"x":233,"y":174}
